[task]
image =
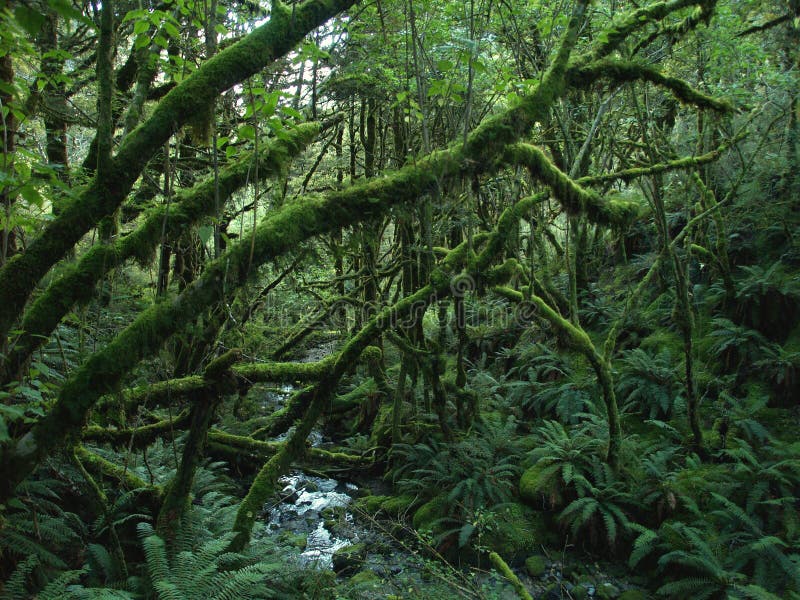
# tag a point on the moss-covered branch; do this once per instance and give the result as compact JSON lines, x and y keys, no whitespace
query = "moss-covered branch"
{"x":100,"y":467}
{"x":250,"y":453}
{"x":171,"y":220}
{"x":280,"y":232}
{"x":620,"y":71}
{"x":286,"y":28}
{"x":176,"y":497}
{"x":615,"y":34}
{"x":503,"y":568}
{"x":136,"y":437}
{"x":574,"y":198}
{"x":576,"y":337}
{"x":685,"y":162}
{"x":320,"y":395}
{"x":166,"y":392}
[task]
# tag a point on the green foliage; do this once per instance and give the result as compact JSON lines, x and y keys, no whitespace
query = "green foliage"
{"x":547,"y":384}
{"x":471,"y":477}
{"x":37,"y":527}
{"x":562,"y":462}
{"x":478,"y":471}
{"x":735,"y":344}
{"x":648,"y":383}
{"x":207,"y":572}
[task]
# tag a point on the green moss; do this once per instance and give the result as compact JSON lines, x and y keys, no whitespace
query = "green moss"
{"x":97,"y":465}
{"x":517,"y":531}
{"x":397,"y":506}
{"x":503,"y":568}
{"x":607,"y":591}
{"x":193,"y":96}
{"x":624,"y":71}
{"x":535,"y":565}
{"x":355,"y":397}
{"x":365,"y":578}
{"x":295,"y":540}
{"x":370,"y":504}
{"x":579,"y":592}
{"x":138,"y":437}
{"x":633,"y":595}
{"x":426,"y":515}
{"x":574,"y":198}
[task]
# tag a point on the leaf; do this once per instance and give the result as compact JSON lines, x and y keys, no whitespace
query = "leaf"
{"x":30,"y":20}
{"x":247,"y":132}
{"x":172,"y":31}
{"x":70,"y":13}
{"x":142,"y":41}
{"x":141,"y":27}
{"x":444,"y":65}
{"x":204,"y":233}
{"x":464,"y":534}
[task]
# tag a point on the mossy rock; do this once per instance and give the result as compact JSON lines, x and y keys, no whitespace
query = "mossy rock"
{"x":517,"y":531}
{"x":633,"y":595}
{"x":397,"y":506}
{"x":536,"y":482}
{"x":296,"y":540}
{"x":579,"y":592}
{"x":349,"y":559}
{"x":607,"y":591}
{"x":370,"y":504}
{"x":433,"y":510}
{"x":535,"y":565}
{"x":365,"y":577}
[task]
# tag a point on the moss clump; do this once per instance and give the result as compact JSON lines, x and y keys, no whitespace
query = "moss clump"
{"x":365,"y":577}
{"x":517,"y":531}
{"x":370,"y":504}
{"x":607,"y":591}
{"x":397,"y":506}
{"x":633,"y":595}
{"x":426,"y":515}
{"x":535,"y":565}
{"x":537,"y":483}
{"x":295,"y":540}
{"x":579,"y":592}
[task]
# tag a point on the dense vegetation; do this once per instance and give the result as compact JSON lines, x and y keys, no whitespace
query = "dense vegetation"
{"x":531,"y":268}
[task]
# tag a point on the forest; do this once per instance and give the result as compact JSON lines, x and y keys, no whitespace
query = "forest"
{"x":399,"y":299}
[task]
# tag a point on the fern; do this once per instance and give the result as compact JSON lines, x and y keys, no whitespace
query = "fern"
{"x":648,"y":384}
{"x":208,"y":572}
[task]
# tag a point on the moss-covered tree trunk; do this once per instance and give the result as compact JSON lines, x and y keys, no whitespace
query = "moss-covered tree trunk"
{"x":176,"y":500}
{"x":19,"y":277}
